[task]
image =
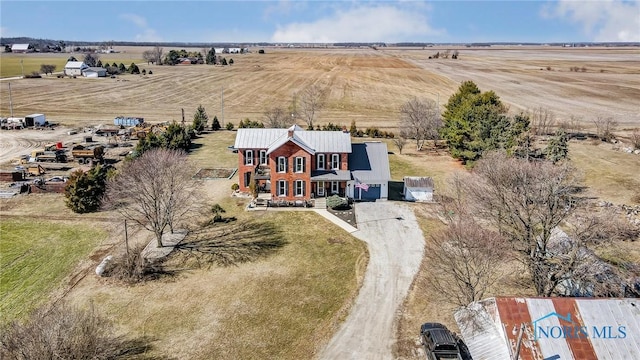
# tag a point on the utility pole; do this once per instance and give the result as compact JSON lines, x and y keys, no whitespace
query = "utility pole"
{"x":222,"y":105}
{"x":10,"y":101}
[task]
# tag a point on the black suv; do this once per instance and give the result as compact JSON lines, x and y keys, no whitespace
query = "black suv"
{"x":440,"y":343}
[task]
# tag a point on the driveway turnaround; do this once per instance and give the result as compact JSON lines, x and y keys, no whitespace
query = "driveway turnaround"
{"x":396,"y":246}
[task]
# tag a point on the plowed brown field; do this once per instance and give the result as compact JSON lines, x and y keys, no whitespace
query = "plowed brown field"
{"x":365,"y":85}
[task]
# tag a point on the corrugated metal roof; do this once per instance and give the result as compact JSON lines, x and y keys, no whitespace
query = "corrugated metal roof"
{"x":369,"y":161}
{"x":555,"y":328}
{"x":318,"y":141}
{"x":75,"y":65}
{"x":418,"y":182}
{"x":20,"y":47}
{"x":331,"y":175}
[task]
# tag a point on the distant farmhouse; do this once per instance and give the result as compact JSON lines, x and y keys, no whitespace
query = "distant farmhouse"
{"x":294,"y":164}
{"x":20,"y":48}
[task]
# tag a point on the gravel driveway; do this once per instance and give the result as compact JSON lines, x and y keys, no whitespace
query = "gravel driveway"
{"x":396,"y":246}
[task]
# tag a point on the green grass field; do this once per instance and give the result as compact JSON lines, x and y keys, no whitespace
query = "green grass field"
{"x":18,"y":64}
{"x":34,"y":258}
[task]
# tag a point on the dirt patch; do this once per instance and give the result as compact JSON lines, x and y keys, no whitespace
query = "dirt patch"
{"x":348,"y":216}
{"x":217,"y":173}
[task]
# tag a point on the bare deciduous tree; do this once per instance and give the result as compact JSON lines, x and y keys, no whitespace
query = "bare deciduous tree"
{"x":635,"y":139}
{"x":276,"y":118}
{"x":465,"y":260}
{"x":90,"y":59}
{"x":400,"y":141}
{"x":542,"y":121}
{"x":605,"y":126}
{"x":526,"y":201}
{"x":154,"y":55}
{"x":311,"y":102}
{"x":420,"y":120}
{"x":155,"y":190}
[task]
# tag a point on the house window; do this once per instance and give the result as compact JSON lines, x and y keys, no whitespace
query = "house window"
{"x":335,"y":161}
{"x":264,"y":160}
{"x":299,"y":188}
{"x":320,"y":159}
{"x":282,"y":188}
{"x":282,"y":164}
{"x":299,"y":164}
{"x":335,"y":187}
{"x":248,"y":157}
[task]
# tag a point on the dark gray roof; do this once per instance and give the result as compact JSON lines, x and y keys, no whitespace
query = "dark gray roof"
{"x":331,"y":175}
{"x":369,"y":161}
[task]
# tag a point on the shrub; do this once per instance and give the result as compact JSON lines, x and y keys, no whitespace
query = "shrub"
{"x":84,"y":190}
{"x":235,"y":187}
{"x":131,"y":267}
{"x":229,"y":126}
{"x":65,"y":332}
{"x":335,"y":202}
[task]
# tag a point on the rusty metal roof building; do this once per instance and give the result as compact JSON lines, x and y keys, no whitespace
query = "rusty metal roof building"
{"x":554,"y":328}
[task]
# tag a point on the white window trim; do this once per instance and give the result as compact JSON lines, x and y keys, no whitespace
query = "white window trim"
{"x":299,"y":164}
{"x":320,"y":164}
{"x":263,"y":156}
{"x":282,"y":188}
{"x":299,"y":185}
{"x":335,"y":187}
{"x":334,"y":162}
{"x":248,"y":157}
{"x":284,"y":162}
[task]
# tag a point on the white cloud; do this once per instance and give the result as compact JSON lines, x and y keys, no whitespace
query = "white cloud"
{"x":148,"y":34}
{"x":610,"y":20}
{"x":370,"y":23}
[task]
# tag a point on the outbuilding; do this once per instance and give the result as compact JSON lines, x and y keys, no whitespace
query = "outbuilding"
{"x":418,"y":189}
{"x":94,"y":72}
{"x":74,"y":68}
{"x":20,"y":48}
{"x":35,"y":120}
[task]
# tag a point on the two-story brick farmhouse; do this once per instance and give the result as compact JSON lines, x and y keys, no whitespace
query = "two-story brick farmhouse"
{"x":294,"y":164}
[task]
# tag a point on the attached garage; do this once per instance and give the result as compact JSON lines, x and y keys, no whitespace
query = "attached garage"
{"x":418,"y":189}
{"x":369,"y":165}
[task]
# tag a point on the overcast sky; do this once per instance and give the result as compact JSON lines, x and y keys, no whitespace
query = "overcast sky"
{"x":323,"y":21}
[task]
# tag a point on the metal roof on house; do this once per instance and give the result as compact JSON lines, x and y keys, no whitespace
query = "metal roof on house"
{"x":369,"y":161}
{"x":75,"y":65}
{"x":418,"y":182}
{"x":95,"y":68}
{"x":314,"y":141}
{"x":554,"y":328}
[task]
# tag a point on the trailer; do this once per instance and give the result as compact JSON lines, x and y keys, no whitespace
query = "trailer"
{"x":35,"y":120}
{"x":86,"y":155}
{"x":128,"y":121}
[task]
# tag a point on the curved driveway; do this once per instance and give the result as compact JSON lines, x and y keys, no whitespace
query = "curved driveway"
{"x":396,"y":246}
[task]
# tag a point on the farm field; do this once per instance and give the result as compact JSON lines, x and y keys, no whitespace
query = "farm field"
{"x":287,"y":305}
{"x":363,"y":85}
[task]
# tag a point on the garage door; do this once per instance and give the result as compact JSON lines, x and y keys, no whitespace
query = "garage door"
{"x":371,"y":194}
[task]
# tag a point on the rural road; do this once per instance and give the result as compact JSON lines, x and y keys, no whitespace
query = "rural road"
{"x":396,"y":247}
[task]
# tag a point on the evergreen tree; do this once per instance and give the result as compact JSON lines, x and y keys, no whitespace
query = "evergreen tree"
{"x":215,"y":126}
{"x":353,"y":130}
{"x":176,"y":137}
{"x":122,"y":68}
{"x":133,"y":69}
{"x":200,"y":119}
{"x":476,"y":121}
{"x":84,"y":190}
{"x":211,"y":57}
{"x":557,"y":148}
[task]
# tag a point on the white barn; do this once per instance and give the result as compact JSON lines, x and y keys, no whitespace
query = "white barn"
{"x":74,"y":68}
{"x":418,"y":189}
{"x":20,"y":48}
